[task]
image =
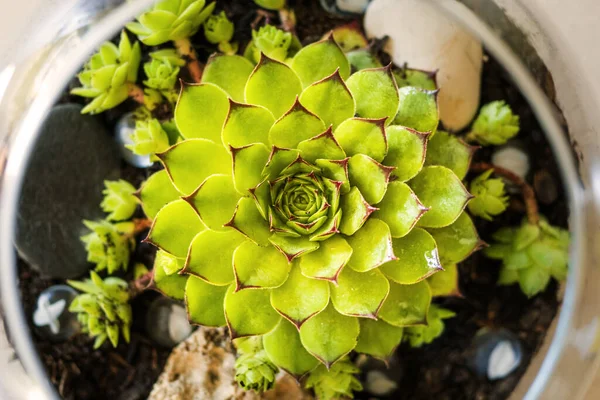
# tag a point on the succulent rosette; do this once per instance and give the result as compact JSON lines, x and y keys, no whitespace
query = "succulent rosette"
{"x":298,"y":207}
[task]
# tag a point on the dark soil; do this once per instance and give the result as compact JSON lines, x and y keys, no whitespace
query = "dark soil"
{"x":438,"y":370}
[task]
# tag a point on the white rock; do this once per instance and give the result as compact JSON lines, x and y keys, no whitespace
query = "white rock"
{"x":179,"y":327}
{"x":379,"y":384}
{"x":425,"y":38}
{"x":513,"y":159}
{"x":352,"y":6}
{"x":503,"y":361}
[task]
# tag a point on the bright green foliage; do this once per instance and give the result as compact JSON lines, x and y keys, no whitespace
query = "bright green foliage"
{"x":272,"y":42}
{"x":350,"y":37}
{"x":119,"y":200}
{"x":103,"y":308}
{"x":218,"y":28}
{"x":170,"y":20}
{"x":162,"y":75}
{"x":494,"y":125}
{"x":417,"y":336}
{"x":490,"y":198}
{"x":270,"y":200}
{"x":416,"y":78}
{"x":338,"y":382}
{"x":255,"y":371}
{"x":109,"y":245}
{"x":445,"y":283}
{"x":451,"y":152}
{"x":106,"y":76}
{"x":149,"y":138}
{"x":362,"y":59}
{"x":531,"y":255}
{"x":271,"y":4}
{"x":168,"y":55}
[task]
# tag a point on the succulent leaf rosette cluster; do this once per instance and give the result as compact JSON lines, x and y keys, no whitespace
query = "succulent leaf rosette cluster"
{"x":301,"y":206}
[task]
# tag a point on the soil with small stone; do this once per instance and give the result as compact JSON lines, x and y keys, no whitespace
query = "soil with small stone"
{"x":438,"y":370}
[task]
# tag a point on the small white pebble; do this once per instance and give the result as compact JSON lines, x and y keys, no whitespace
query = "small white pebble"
{"x":503,"y":361}
{"x":513,"y":159}
{"x":179,"y":327}
{"x":379,"y":384}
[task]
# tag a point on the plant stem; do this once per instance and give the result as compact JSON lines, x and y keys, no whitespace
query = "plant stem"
{"x":531,"y":204}
{"x":144,"y":282}
{"x":141,"y":224}
{"x":288,"y":19}
{"x":185,"y":49}
{"x":135,"y":92}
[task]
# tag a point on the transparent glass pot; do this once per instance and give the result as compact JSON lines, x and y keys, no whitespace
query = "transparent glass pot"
{"x":67,"y":33}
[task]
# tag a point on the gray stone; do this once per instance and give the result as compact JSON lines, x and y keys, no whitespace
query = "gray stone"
{"x":63,"y":185}
{"x":495,"y":354}
{"x":167,"y":322}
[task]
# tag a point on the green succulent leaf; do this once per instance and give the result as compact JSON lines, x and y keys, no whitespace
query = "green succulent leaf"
{"x":273,"y":85}
{"x":378,"y":338}
{"x":406,"y":305}
{"x":363,"y":58}
{"x":174,"y":228}
{"x":445,"y":283}
{"x":328,"y":260}
{"x":406,"y":151}
{"x":248,"y":220}
{"x":215,"y":201}
{"x":400,"y":209}
{"x":336,"y":170}
{"x":255,"y":371}
{"x":248,"y":165}
{"x":319,"y":60}
{"x":443,"y":193}
{"x":458,"y":240}
{"x":296,"y":125}
{"x":204,"y":302}
{"x":416,"y":78}
{"x":330,"y":99}
{"x":355,"y":211}
{"x":275,"y":43}
{"x":417,"y":258}
{"x":300,"y":298}
{"x":279,"y":159}
{"x":230,"y":73}
{"x":148,"y":138}
{"x":490,"y":198}
{"x":172,"y":285}
{"x":218,"y":28}
{"x":371,"y":245}
{"x":363,"y":136}
{"x":190,"y":162}
{"x":418,"y":109}
{"x":168,"y":263}
{"x":451,"y":152}
{"x":369,"y":176}
{"x":323,"y":146}
{"x":213,"y":102}
{"x":215,"y":267}
{"x":271,"y":5}
{"x":259,"y":267}
{"x":249,"y":312}
{"x":359,"y":294}
{"x":293,"y":247}
{"x":285,"y":349}
{"x":375,"y":92}
{"x":246,"y":124}
{"x":331,"y":344}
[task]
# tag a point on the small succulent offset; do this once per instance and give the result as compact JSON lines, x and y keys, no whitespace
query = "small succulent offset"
{"x":417,"y":336}
{"x":314,"y":186}
{"x":109,"y":245}
{"x":274,"y":43}
{"x":494,"y":125}
{"x":162,"y":73}
{"x":338,"y":382}
{"x":119,"y":200}
{"x":531,"y":254}
{"x":218,"y":29}
{"x":271,"y":4}
{"x":255,"y":371}
{"x":148,"y":138}
{"x":103,"y":308}
{"x":171,"y":20}
{"x":109,"y":75}
{"x":490,"y":198}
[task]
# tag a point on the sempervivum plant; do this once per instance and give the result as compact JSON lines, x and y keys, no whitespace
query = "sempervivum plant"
{"x":298,"y":208}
